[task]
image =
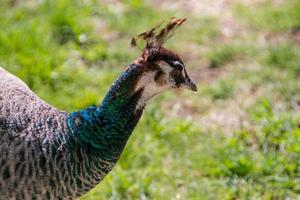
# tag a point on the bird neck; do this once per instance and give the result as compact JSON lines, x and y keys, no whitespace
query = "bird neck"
{"x":105,"y":129}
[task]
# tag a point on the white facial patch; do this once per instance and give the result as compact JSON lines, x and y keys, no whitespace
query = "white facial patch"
{"x":178,"y":63}
{"x":151,"y":88}
{"x":166,"y":68}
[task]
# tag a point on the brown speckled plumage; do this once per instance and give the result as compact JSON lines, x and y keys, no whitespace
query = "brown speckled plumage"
{"x":46,"y":153}
{"x":36,"y":160}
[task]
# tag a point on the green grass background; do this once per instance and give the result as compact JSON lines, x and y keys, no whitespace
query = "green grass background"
{"x":237,"y":138}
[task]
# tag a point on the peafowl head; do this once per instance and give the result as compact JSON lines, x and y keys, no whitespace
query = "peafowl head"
{"x":162,"y":69}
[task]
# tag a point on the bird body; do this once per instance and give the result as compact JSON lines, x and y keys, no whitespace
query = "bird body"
{"x":47,"y":153}
{"x":54,"y":154}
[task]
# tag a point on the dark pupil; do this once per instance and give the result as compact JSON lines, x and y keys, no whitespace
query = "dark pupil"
{"x":176,"y":73}
{"x":175,"y":64}
{"x":178,"y":78}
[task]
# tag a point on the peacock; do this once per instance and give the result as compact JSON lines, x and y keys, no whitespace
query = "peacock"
{"x":46,"y":153}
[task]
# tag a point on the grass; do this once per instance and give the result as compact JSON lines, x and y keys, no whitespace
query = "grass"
{"x":70,"y":53}
{"x":221,"y":90}
{"x":270,"y":15}
{"x":225,"y":53}
{"x":284,"y":56}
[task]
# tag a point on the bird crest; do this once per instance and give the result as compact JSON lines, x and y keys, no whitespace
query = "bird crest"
{"x":156,"y":37}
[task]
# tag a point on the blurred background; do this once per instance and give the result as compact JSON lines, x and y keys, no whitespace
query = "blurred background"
{"x":237,"y":138}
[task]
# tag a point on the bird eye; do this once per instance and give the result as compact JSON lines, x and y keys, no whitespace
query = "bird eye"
{"x":177,"y":65}
{"x":176,"y":73}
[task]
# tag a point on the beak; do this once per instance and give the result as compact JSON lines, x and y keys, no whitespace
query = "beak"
{"x":189,"y":84}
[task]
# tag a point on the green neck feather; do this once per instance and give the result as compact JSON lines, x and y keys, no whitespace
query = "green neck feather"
{"x":104,"y":130}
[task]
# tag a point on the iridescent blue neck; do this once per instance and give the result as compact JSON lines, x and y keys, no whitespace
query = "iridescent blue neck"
{"x":105,"y":129}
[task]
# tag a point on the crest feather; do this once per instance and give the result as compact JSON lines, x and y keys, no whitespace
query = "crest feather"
{"x":156,"y":38}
